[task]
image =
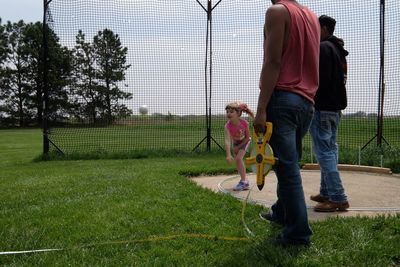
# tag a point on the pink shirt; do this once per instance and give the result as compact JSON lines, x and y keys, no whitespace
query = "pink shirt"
{"x":238,"y":131}
{"x":303,"y":47}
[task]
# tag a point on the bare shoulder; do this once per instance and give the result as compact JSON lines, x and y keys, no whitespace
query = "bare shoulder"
{"x":277,"y":9}
{"x":277,"y":12}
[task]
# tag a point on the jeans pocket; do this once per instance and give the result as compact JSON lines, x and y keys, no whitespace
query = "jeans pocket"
{"x":328,"y":119}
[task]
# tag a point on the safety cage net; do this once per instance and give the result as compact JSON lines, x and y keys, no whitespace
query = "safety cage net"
{"x":156,"y":75}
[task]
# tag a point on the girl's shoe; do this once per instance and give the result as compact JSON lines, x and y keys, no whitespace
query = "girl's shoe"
{"x":241,"y":186}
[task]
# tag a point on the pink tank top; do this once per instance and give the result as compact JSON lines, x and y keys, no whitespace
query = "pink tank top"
{"x":238,"y":131}
{"x":302,"y":46}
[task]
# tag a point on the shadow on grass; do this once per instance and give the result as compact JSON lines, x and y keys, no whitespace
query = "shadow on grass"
{"x":262,"y":252}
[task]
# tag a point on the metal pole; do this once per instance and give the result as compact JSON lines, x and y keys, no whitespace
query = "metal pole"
{"x":45,"y":66}
{"x":209,"y":21}
{"x":381,"y":90}
{"x":208,"y":70}
{"x":382,"y":75}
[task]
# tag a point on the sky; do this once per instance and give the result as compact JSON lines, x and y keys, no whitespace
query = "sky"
{"x":183,"y":39}
{"x":14,"y":10}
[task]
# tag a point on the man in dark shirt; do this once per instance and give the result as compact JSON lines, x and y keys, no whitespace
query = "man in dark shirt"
{"x":330,"y":100}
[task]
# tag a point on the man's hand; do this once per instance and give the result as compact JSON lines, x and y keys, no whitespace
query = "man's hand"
{"x":259,"y":122}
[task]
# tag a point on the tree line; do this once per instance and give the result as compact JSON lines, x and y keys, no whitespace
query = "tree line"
{"x":82,"y":82}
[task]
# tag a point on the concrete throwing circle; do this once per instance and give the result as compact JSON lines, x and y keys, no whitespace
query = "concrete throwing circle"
{"x":369,"y":194}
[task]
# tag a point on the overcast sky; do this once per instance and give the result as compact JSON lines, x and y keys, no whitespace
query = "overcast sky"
{"x":15,"y":10}
{"x":355,"y":22}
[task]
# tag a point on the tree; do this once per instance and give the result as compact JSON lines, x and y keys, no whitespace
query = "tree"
{"x":91,"y":71}
{"x":84,"y":79}
{"x":3,"y":44}
{"x":111,"y":63}
{"x":21,"y":93}
{"x":3,"y":57}
{"x":15,"y":89}
{"x":59,"y":68}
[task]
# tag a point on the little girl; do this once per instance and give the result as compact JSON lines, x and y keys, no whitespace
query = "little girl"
{"x":237,"y":136}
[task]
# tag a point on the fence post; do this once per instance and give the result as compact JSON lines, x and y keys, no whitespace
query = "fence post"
{"x":208,"y":90}
{"x":45,"y":58}
{"x":381,"y":92}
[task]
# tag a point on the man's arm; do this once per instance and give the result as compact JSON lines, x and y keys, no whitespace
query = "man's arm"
{"x":274,"y":38}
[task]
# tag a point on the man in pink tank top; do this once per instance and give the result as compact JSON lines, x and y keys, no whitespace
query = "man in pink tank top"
{"x":288,"y":82}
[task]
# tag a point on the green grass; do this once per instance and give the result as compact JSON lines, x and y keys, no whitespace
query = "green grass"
{"x":19,"y":146}
{"x":146,"y":212}
{"x":143,"y":136}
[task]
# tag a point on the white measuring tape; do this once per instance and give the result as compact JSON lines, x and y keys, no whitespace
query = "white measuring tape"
{"x":30,"y":251}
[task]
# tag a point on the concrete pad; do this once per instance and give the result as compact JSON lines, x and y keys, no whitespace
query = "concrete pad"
{"x":369,"y":194}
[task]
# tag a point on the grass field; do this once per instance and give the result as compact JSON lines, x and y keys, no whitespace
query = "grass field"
{"x":149,"y":135}
{"x":185,"y":132}
{"x":146,"y":212}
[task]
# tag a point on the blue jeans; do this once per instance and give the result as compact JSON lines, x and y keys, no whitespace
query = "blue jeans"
{"x":323,"y":134}
{"x":291,"y":115}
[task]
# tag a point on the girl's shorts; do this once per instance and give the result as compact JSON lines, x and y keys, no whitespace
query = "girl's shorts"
{"x":246,"y":148}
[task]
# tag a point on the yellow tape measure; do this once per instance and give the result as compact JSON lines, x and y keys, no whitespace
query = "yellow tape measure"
{"x":262,"y":156}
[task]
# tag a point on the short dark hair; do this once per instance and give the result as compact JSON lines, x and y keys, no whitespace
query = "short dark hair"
{"x":328,"y":22}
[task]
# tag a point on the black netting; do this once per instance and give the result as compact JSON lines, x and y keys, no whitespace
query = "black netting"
{"x":182,"y":69}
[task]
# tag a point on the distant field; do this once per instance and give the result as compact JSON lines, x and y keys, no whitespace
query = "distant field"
{"x":171,"y":135}
{"x":184,"y":133}
{"x":356,"y":132}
